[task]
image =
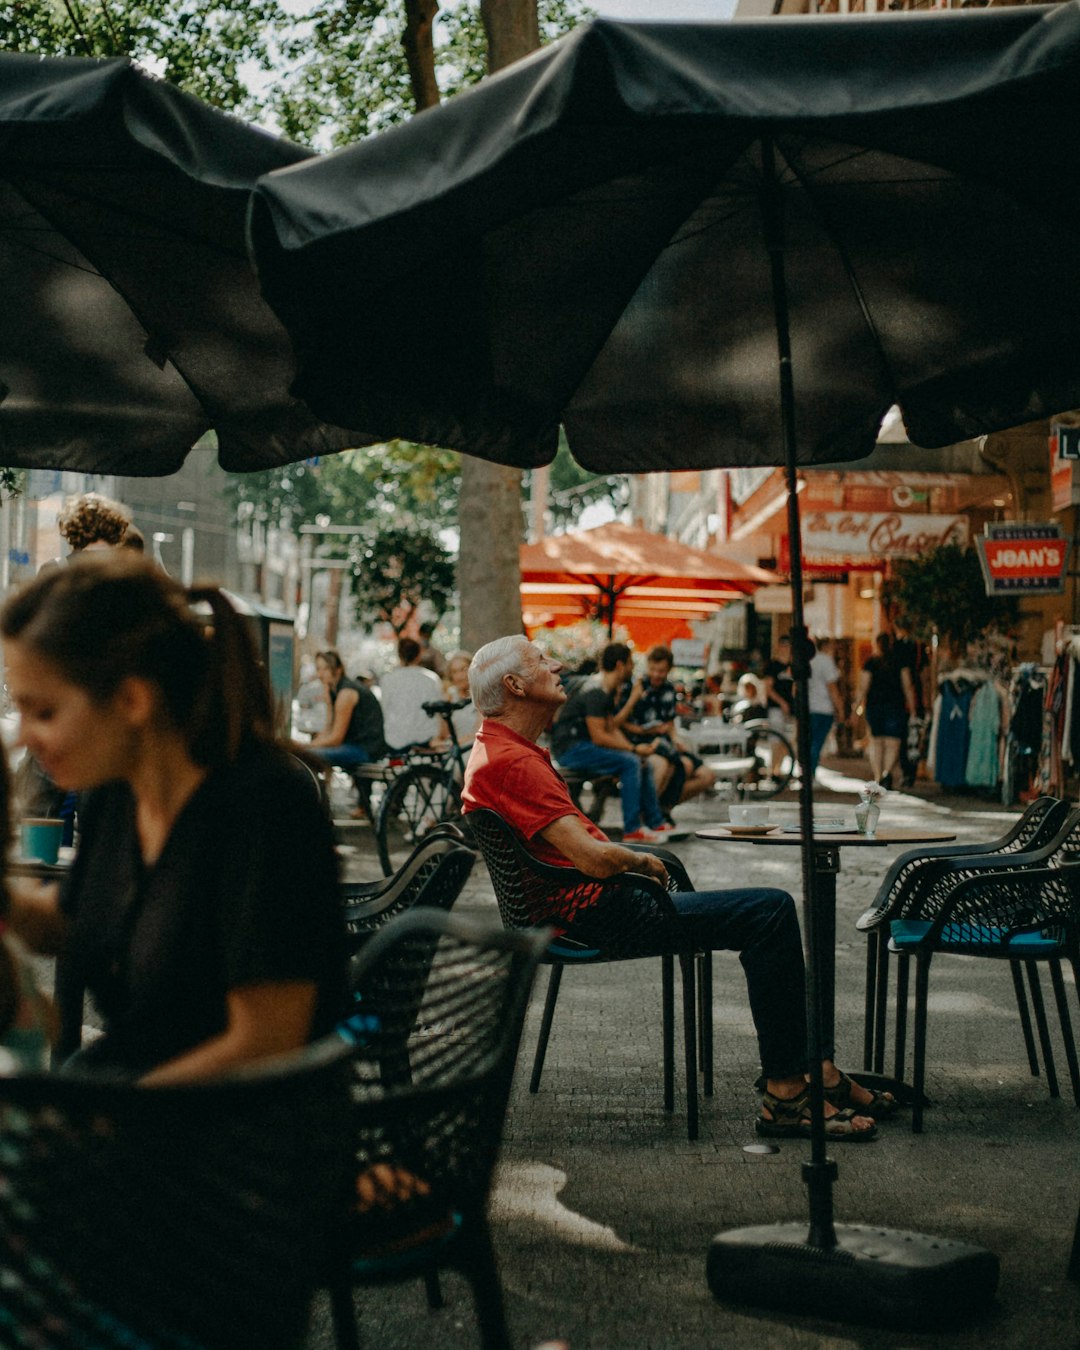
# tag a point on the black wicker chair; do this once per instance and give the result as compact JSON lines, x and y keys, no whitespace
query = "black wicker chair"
{"x":434,"y":874}
{"x":183,"y":1218}
{"x":439,"y":1003}
{"x":1020,"y":915}
{"x":625,"y":918}
{"x":904,"y":883}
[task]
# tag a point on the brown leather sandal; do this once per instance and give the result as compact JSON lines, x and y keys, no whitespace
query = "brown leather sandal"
{"x":789,"y":1118}
{"x":881,"y":1106}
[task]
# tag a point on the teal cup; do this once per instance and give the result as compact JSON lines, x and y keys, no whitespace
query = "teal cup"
{"x":39,"y":839}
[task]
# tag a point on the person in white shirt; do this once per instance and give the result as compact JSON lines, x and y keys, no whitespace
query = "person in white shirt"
{"x":404,"y":691}
{"x":826,"y":702}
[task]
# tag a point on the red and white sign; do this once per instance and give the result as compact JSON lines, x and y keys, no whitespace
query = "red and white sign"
{"x":1023,"y":558}
{"x":854,"y":538}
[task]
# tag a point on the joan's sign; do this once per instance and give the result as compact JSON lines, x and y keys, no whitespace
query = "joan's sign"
{"x":855,"y":538}
{"x":1023,"y":558}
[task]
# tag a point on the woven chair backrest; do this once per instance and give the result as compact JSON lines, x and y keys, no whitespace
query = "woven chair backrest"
{"x":171,"y":1218}
{"x":622,"y":917}
{"x":435,"y":875}
{"x":437,"y":1017}
{"x":1042,"y":900}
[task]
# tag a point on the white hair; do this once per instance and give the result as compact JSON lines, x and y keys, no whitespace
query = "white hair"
{"x":490,"y":666}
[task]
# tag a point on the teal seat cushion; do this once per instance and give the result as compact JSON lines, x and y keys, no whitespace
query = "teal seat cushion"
{"x":909,"y":933}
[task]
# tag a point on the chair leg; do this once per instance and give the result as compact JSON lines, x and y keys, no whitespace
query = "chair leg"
{"x":554,"y":980}
{"x":433,"y":1289}
{"x":881,"y":988}
{"x":922,"y":990}
{"x":483,"y":1274}
{"x":1066,"y":1028}
{"x":667,"y":999}
{"x":900,"y":1049}
{"x":687,"y":962}
{"x":872,"y":939}
{"x":705,"y":1020}
{"x":1025,"y":1017}
{"x":1043,"y":1028}
{"x":343,"y":1312}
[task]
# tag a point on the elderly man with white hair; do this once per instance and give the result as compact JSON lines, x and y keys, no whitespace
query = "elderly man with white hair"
{"x":517,"y":691}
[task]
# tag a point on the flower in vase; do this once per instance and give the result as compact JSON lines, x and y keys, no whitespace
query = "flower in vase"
{"x":871,"y":792}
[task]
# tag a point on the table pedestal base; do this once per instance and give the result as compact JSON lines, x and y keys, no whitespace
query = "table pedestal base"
{"x":877,"y":1276}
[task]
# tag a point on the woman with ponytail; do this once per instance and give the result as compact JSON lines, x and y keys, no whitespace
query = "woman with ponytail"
{"x":201,"y":910}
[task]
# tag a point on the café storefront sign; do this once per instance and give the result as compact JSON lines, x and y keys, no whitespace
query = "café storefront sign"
{"x":1019,"y":558}
{"x":871,"y":538}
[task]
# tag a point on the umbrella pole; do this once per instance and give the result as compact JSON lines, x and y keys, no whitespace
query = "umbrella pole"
{"x":854,"y":1273}
{"x":819,"y":1173}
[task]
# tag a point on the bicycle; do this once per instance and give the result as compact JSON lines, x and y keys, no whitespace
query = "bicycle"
{"x":745,"y":755}
{"x":423,"y":795}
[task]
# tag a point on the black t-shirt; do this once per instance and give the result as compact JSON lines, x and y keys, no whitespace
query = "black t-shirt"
{"x":589,"y":700}
{"x":783,"y":685}
{"x":886,"y":692}
{"x":244,"y":892}
{"x":365,"y":727}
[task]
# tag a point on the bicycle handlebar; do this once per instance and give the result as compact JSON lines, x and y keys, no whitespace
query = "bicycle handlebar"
{"x":439,"y":709}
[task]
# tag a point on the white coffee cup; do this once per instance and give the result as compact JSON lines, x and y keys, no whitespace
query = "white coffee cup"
{"x":748,"y":815}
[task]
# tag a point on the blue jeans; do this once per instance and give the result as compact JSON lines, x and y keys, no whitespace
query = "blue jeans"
{"x":763,"y":927}
{"x":637,"y":791}
{"x":820,"y":726}
{"x":345,"y":756}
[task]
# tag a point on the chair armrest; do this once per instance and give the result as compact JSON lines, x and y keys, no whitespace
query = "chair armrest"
{"x":676,"y":869}
{"x":1009,"y":904}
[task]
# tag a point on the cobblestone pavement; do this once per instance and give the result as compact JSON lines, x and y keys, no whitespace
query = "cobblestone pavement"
{"x":603,"y":1211}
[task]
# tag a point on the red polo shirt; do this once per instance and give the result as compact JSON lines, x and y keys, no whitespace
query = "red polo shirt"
{"x":515,"y":777}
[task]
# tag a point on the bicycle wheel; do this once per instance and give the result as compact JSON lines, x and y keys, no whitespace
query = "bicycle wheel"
{"x":414,"y":803}
{"x":774,"y":763}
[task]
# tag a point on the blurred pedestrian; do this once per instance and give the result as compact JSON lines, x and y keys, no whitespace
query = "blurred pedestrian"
{"x":202,"y":910}
{"x":430,"y":656}
{"x":826,"y":701}
{"x":466,"y":719}
{"x":886,"y":698}
{"x":405,"y":690}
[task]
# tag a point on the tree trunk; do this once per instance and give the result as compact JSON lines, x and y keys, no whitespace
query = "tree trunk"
{"x":489,"y":563}
{"x":511,"y":28}
{"x":420,"y":51}
{"x":489,"y":511}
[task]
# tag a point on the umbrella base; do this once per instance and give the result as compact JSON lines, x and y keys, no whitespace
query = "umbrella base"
{"x":876,"y":1276}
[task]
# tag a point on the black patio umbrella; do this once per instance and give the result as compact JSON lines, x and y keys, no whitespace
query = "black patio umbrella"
{"x":131,"y":320}
{"x":705,"y":245}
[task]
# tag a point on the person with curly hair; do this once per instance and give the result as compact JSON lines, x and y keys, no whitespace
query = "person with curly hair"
{"x":93,"y":521}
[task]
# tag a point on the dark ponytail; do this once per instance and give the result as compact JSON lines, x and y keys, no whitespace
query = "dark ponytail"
{"x":107,"y":616}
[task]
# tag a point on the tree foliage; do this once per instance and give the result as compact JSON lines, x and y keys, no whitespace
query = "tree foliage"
{"x":212,"y":49}
{"x":395,"y":570}
{"x":943,"y":591}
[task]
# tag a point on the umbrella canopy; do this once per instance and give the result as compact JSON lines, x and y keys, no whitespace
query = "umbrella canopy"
{"x":580,"y":238}
{"x":623,"y":574}
{"x":132,"y":322}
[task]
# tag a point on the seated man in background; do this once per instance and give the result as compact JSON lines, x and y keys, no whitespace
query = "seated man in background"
{"x":517,"y":690}
{"x":648,"y":714}
{"x":404,"y":692}
{"x":586,"y":738}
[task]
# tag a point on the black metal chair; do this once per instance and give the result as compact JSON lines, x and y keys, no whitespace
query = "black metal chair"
{"x":624,"y":918}
{"x":439,"y":1003}
{"x":184,"y":1218}
{"x":908,"y":877}
{"x":1020,"y":915}
{"x":434,"y":874}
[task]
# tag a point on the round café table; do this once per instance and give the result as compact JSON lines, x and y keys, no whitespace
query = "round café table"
{"x":827,"y":848}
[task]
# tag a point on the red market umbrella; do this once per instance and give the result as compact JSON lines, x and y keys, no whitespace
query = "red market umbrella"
{"x":623,"y":574}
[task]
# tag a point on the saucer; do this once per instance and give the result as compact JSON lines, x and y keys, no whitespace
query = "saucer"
{"x":749,"y":831}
